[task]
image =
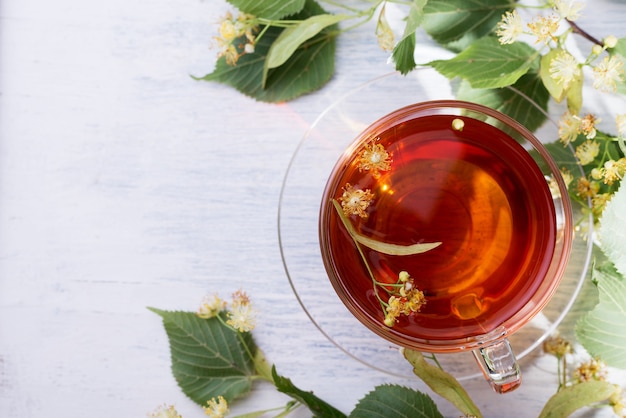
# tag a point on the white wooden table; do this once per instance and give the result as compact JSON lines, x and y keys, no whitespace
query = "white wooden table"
{"x":126,"y":184}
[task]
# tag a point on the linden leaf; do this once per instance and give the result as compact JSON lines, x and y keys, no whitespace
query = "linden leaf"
{"x":404,"y":52}
{"x":513,"y":101}
{"x":208,"y":358}
{"x":318,"y":407}
{"x":395,"y":401}
{"x":603,"y":330}
{"x":442,"y":383}
{"x":383,"y":247}
{"x":308,"y":68}
{"x":457,"y":23}
{"x":269,"y":9}
{"x":612,"y":233}
{"x":570,"y":399}
{"x":487,"y":64}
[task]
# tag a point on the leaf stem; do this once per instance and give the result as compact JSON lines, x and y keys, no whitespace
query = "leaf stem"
{"x":578,"y":30}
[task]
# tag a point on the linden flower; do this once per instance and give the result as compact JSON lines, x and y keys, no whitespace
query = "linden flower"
{"x":569,"y":128}
{"x":598,"y":203}
{"x":593,"y":369}
{"x":211,"y":307}
{"x":567,"y":176}
{"x":355,"y":201}
{"x":588,"y":126}
{"x":587,"y":151}
{"x":586,"y":188}
{"x":374,"y":158}
{"x":564,"y":68}
{"x":236,"y":37}
{"x":509,"y":28}
{"x":242,"y":316}
{"x":410,"y":300}
{"x":544,"y":28}
{"x":557,"y":346}
{"x":613,"y":171}
{"x":216,"y":408}
{"x":164,"y":411}
{"x":608,"y":73}
{"x":568,"y":9}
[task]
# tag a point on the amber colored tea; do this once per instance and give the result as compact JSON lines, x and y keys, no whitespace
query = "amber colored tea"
{"x":475,"y":190}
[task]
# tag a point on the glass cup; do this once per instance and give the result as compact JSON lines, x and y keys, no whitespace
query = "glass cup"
{"x":445,"y":227}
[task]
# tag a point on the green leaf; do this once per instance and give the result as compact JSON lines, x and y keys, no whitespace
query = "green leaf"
{"x":269,"y":9}
{"x":570,"y":399}
{"x":208,"y":358}
{"x":404,"y":52}
{"x":395,"y":401}
{"x":307,"y":70}
{"x":442,"y":383}
{"x":458,"y":23}
{"x":603,"y":330}
{"x":318,"y":407}
{"x":513,"y":101}
{"x":487,"y":64}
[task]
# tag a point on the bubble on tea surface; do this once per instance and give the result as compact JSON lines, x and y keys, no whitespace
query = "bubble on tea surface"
{"x":467,"y":306}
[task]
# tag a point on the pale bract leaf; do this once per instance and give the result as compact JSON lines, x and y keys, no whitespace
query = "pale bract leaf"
{"x":442,"y":383}
{"x":555,"y":88}
{"x":269,"y":9}
{"x":291,"y":38}
{"x":383,"y":247}
{"x":570,"y":399}
{"x":487,"y":64}
{"x":395,"y":401}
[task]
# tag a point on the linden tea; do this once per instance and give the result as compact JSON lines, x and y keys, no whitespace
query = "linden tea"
{"x":446,"y":179}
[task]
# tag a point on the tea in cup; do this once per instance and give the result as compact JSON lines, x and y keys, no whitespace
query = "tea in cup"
{"x":445,"y":227}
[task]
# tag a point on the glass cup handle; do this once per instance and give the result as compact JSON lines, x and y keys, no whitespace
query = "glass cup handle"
{"x":499,"y":365}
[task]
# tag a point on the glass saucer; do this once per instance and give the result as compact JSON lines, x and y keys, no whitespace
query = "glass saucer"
{"x":298,"y":216}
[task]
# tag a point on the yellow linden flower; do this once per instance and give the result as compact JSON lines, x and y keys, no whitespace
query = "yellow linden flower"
{"x":355,"y":201}
{"x":393,"y":310}
{"x":544,"y":28}
{"x":568,"y":9}
{"x":557,"y":346}
{"x":613,"y":170}
{"x":599,"y":201}
{"x":242,"y":317}
{"x":587,"y":151}
{"x":216,"y":408}
{"x":588,"y":125}
{"x":593,"y":369}
{"x":586,"y":188}
{"x":164,"y":411}
{"x":564,"y":68}
{"x":608,"y":73}
{"x":211,"y":307}
{"x":567,"y":176}
{"x":230,"y":31}
{"x":374,"y":158}
{"x":569,"y":128}
{"x":509,"y":28}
